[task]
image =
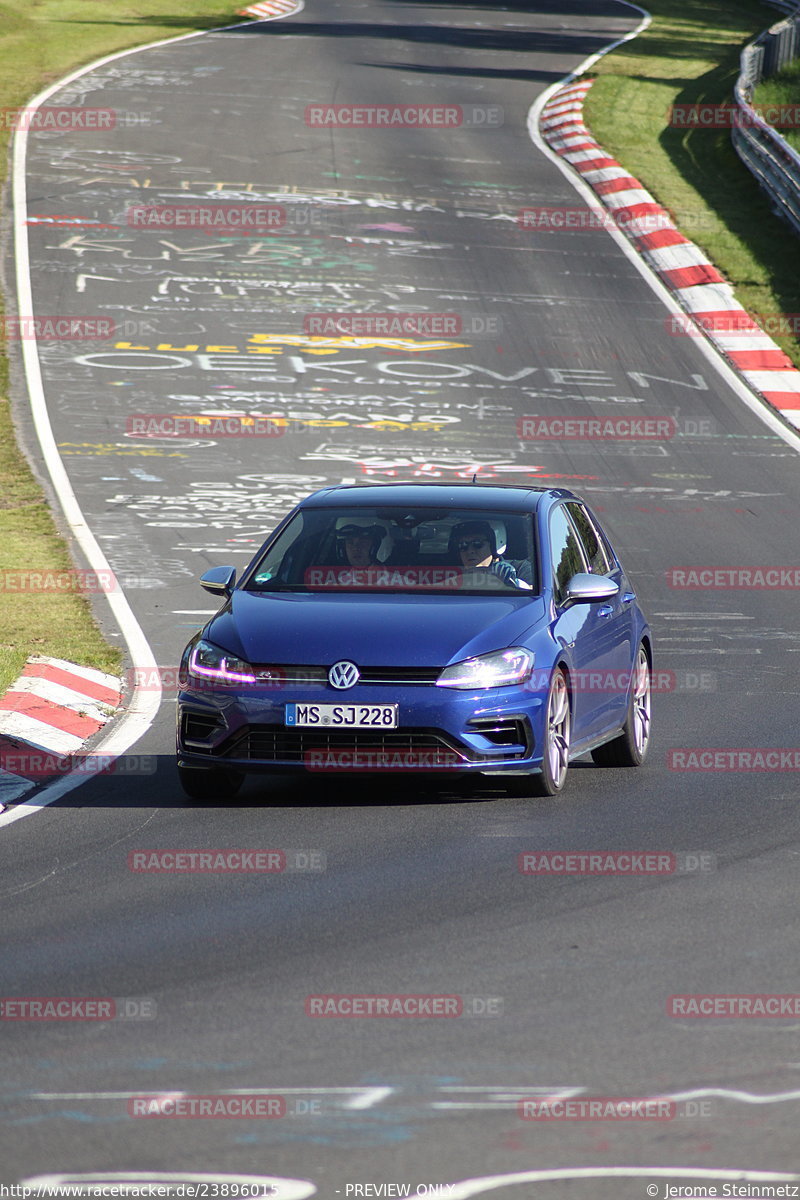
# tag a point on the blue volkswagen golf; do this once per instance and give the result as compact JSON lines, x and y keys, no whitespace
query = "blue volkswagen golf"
{"x":421,"y":628}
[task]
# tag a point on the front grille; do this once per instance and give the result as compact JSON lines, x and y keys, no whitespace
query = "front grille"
{"x":274,"y":743}
{"x":404,"y":675}
{"x":294,"y":674}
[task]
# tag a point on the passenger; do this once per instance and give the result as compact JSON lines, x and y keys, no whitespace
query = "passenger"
{"x":476,"y":544}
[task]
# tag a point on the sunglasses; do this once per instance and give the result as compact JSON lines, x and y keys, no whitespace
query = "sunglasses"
{"x":473,"y":543}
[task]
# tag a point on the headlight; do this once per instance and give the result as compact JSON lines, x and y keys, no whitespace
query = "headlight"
{"x":499,"y":669}
{"x":209,"y":662}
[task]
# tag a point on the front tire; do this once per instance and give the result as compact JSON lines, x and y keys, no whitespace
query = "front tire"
{"x":215,"y":784}
{"x":630,"y":748}
{"x":555,"y":749}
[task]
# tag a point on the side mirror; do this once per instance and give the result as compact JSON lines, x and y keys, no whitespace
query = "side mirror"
{"x":584,"y":588}
{"x":219,"y":581}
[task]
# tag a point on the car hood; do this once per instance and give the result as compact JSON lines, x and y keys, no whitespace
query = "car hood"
{"x":372,"y":630}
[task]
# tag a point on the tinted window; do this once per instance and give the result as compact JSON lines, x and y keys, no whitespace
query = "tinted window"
{"x":566,"y":550}
{"x":590,"y":540}
{"x":393,"y":549}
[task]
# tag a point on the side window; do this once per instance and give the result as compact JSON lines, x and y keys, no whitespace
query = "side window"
{"x":590,"y":540}
{"x":276,"y":563}
{"x":565,"y":549}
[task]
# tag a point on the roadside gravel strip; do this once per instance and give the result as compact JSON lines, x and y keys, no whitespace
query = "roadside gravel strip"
{"x":708,"y":301}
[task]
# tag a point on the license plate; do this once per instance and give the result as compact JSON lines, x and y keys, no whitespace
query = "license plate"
{"x":342,"y":716}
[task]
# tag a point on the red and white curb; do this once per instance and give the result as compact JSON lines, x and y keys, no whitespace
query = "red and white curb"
{"x":683,"y":267}
{"x":48,"y":714}
{"x":271,"y":8}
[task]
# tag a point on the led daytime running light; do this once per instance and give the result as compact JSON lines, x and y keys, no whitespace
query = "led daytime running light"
{"x":222,"y":672}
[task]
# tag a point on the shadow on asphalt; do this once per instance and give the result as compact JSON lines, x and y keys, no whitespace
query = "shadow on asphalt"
{"x":515,"y":40}
{"x":151,"y":781}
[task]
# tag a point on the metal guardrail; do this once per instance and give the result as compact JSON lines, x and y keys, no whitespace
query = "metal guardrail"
{"x":766,"y":154}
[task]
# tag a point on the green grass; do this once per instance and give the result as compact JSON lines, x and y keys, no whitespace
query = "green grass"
{"x":40,"y":42}
{"x":37,"y":622}
{"x":690,"y":55}
{"x":782,"y":89}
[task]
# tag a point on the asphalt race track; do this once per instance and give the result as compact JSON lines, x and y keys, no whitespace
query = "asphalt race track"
{"x":416,"y":890}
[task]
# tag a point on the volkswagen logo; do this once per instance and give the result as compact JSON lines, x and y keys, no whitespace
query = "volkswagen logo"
{"x":343,"y":675}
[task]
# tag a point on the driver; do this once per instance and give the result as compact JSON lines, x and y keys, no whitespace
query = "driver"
{"x":476,"y":544}
{"x":358,"y":544}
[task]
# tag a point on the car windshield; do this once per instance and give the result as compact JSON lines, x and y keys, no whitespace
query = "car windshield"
{"x":440,"y":550}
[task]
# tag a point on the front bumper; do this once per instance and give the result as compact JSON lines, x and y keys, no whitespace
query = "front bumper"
{"x":440,"y":729}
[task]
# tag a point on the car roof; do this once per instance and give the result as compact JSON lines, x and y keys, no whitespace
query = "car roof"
{"x":500,"y":497}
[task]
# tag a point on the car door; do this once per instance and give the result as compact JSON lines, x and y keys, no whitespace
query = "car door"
{"x":597,"y":636}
